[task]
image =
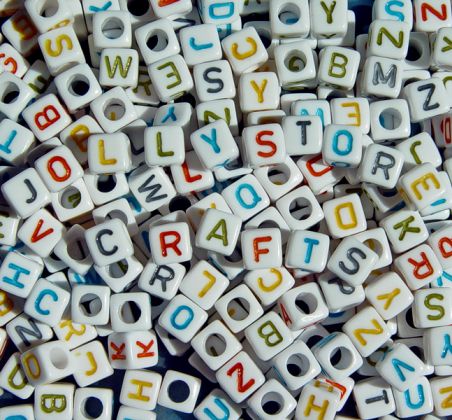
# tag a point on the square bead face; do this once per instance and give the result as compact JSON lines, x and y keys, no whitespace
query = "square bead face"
{"x":244,"y":50}
{"x":303,"y":135}
{"x":432,"y":307}
{"x":140,"y":389}
{"x":400,"y":367}
{"x":240,"y":367}
{"x":47,"y":302}
{"x":352,"y":261}
{"x":367,"y":330}
{"x":405,"y":229}
{"x":342,"y":146}
{"x":259,"y":91}
{"x":164,"y":146}
{"x":18,"y":274}
{"x":261,"y":248}
{"x":170,"y":243}
{"x":207,"y":291}
{"x":46,"y":117}
{"x":182,"y":318}
{"x":414,"y":401}
{"x":307,"y":250}
{"x":344,"y":216}
{"x":239,"y":308}
{"x":118,"y":67}
{"x":200,"y":44}
{"x":214,"y":145}
{"x":373,"y":396}
{"x":388,"y":38}
{"x":389,"y":295}
{"x":338,"y":67}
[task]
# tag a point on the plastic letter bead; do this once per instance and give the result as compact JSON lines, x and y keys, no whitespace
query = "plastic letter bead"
{"x":367,"y":330}
{"x":240,"y":377}
{"x":52,"y":400}
{"x":140,"y":389}
{"x":217,"y":403}
{"x":191,"y":385}
{"x":103,"y":396}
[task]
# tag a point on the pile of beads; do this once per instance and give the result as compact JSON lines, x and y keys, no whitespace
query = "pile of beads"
{"x":246,"y":185}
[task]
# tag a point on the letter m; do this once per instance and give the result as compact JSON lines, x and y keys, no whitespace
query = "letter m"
{"x":389,"y":78}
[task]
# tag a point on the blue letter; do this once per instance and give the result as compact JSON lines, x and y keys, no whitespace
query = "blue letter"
{"x":18,"y":271}
{"x":189,"y":319}
{"x":252,"y":191}
{"x":212,"y":141}
{"x":41,"y":296}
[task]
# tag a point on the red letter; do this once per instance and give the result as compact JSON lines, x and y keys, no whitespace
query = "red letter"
{"x":46,"y":114}
{"x":256,"y":249}
{"x":285,"y":315}
{"x":428,"y":7}
{"x":441,"y":242}
{"x":418,"y":265}
{"x":268,"y":143}
{"x":118,"y":351}
{"x":173,"y":245}
{"x":241,"y":387}
{"x":312,"y":171}
{"x":187,"y":175}
{"x":36,"y":236}
{"x":146,"y":348}
{"x":52,"y":172}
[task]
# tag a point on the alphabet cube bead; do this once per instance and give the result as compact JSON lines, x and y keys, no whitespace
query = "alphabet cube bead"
{"x":215,"y":344}
{"x":170,"y":77}
{"x":46,"y":117}
{"x":218,"y":231}
{"x":109,"y":153}
{"x":142,"y":321}
{"x":12,"y":61}
{"x":439,"y":242}
{"x":84,"y":294}
{"x":45,"y":22}
{"x":18,"y":274}
{"x":119,"y":242}
{"x":182,"y":318}
{"x":49,"y":396}
{"x":344,"y":216}
{"x":41,"y":232}
{"x":405,"y":229}
{"x":317,"y":398}
{"x":244,"y":50}
{"x":166,"y":43}
{"x":298,"y":316}
{"x":140,"y":389}
{"x":92,"y":364}
{"x":12,"y":85}
{"x":61,"y":49}
{"x":214,"y":80}
{"x":361,"y":261}
{"x":119,"y":67}
{"x":83,"y":396}
{"x":373,"y":396}
{"x":206,"y":292}
{"x":240,"y":377}
{"x":367,"y":330}
{"x":13,"y":379}
{"x":246,"y":197}
{"x":77,"y":86}
{"x":189,"y":383}
{"x":342,"y":146}
{"x":416,"y":400}
{"x":47,"y":363}
{"x":307,"y":250}
{"x":164,"y":145}
{"x":431,"y":307}
{"x":388,"y":38}
{"x":262,"y":248}
{"x":113,"y":110}
{"x":239,"y":308}
{"x":200,"y":44}
{"x":349,"y":361}
{"x":161,"y":281}
{"x":268,"y":336}
{"x":389,"y":295}
{"x":338,"y":67}
{"x":382,"y":77}
{"x":400,"y":367}
{"x":419,"y":266}
{"x":433,"y":15}
{"x":170,"y":243}
{"x":11,"y":149}
{"x":259,"y":91}
{"x":302,"y":135}
{"x":214,"y":145}
{"x":426,"y":99}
